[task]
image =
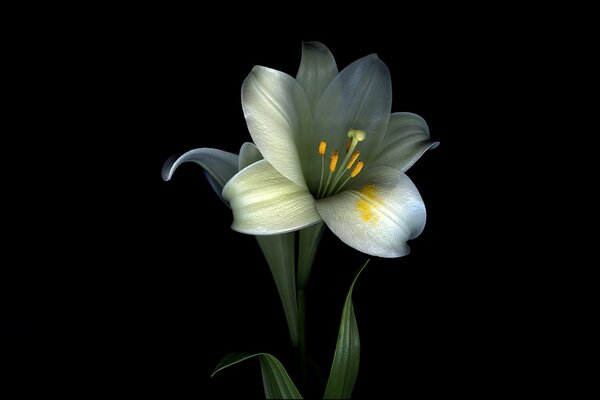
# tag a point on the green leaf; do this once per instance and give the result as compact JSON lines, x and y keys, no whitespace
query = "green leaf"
{"x":276,"y":381}
{"x":279,"y":252}
{"x":344,"y":368}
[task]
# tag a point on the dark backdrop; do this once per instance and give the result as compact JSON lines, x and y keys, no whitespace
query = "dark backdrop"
{"x":428,"y":321}
{"x":152,"y":287}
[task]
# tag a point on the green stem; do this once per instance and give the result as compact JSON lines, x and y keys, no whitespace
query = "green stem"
{"x":279,"y":252}
{"x":308,"y":244}
{"x":302,"y":335}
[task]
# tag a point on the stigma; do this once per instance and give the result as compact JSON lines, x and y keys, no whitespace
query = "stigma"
{"x":356,"y":134}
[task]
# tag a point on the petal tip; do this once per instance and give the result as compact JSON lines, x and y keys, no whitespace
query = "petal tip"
{"x":257,"y":69}
{"x":262,"y":69}
{"x":167,"y":168}
{"x":393,"y":253}
{"x":315,"y":44}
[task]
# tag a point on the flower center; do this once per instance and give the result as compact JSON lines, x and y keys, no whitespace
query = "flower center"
{"x":332,"y":185}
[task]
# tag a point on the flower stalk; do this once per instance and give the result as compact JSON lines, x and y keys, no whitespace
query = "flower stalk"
{"x":302,"y":336}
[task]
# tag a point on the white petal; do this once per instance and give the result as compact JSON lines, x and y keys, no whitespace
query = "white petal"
{"x":249,"y":154}
{"x":379,"y":216}
{"x":360,"y":97}
{"x":219,"y":166}
{"x":317,"y":70}
{"x":264,"y":202}
{"x":406,"y":140}
{"x":277,"y":112}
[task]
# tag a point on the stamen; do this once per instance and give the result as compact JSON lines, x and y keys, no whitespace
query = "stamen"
{"x":333,"y":162}
{"x":354,"y":157}
{"x":357,"y":169}
{"x":357,"y":136}
{"x":322,"y":148}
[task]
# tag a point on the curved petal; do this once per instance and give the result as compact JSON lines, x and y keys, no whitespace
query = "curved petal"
{"x":360,"y":97}
{"x":379,"y":216}
{"x":406,"y":140}
{"x":264,"y":202}
{"x":219,"y":166}
{"x":277,"y":112}
{"x":317,"y":70}
{"x":249,"y":154}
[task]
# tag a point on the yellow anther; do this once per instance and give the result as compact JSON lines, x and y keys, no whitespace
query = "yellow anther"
{"x":354,"y":157}
{"x":322,"y":148}
{"x":357,"y":169}
{"x":357,"y":134}
{"x":333,"y":162}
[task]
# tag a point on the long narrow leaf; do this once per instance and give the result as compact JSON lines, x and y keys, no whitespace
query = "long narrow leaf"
{"x":276,"y":381}
{"x":346,"y":359}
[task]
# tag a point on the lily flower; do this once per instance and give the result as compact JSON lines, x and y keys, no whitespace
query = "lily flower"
{"x":333,"y":152}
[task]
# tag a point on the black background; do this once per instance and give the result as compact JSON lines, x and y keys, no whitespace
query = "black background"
{"x":151,"y":288}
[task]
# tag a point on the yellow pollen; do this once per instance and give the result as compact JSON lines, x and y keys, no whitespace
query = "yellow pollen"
{"x":365,"y":206}
{"x":357,"y":169}
{"x":354,"y":157}
{"x":333,"y":162}
{"x":322,"y":148}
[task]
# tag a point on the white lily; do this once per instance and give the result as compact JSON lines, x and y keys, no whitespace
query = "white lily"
{"x":360,"y":190}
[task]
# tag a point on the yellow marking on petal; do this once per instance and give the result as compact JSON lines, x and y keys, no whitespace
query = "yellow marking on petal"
{"x":322,"y":148}
{"x":333,"y":162}
{"x":365,"y":205}
{"x":357,"y":169}
{"x":352,"y":159}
